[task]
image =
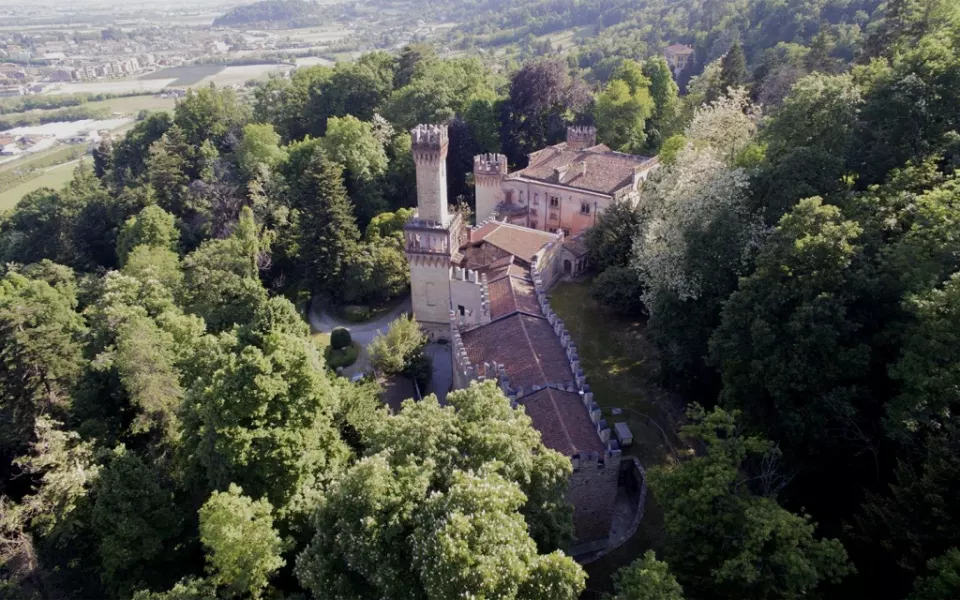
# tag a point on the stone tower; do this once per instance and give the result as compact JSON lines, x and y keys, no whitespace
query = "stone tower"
{"x":432,"y":235}
{"x":488,"y":171}
{"x":430,"y":144}
{"x":579,"y":138}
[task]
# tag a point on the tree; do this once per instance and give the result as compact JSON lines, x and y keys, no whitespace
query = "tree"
{"x":328,"y":232}
{"x":413,"y":57}
{"x":666,"y":103}
{"x":220,"y":277}
{"x":40,"y":355}
{"x":209,"y":113}
{"x":619,"y":289}
{"x":153,"y":227}
{"x":943,"y":581}
{"x":401,"y":350}
{"x":621,"y":116}
{"x":263,"y":419}
{"x":440,"y":506}
{"x":352,"y":143}
{"x":789,"y":350}
{"x":130,"y":153}
{"x":355,"y":88}
{"x":610,"y":240}
{"x":543,"y":101}
{"x":243,"y":548}
{"x":259,"y":150}
{"x":713,"y":498}
{"x":733,"y":68}
{"x":808,"y":141}
{"x":137,"y":523}
{"x":169,"y":171}
{"x":646,"y":579}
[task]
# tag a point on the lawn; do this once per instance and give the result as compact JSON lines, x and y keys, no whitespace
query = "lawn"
{"x":622,"y":369}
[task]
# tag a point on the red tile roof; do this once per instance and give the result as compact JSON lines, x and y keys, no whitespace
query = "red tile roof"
{"x":563,"y":422}
{"x":576,"y":245}
{"x":526,"y":345}
{"x":518,"y":241}
{"x":606,"y":172}
{"x":510,"y":294}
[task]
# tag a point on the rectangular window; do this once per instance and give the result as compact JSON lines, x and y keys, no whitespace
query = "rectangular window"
{"x":534,"y":225}
{"x":554,"y":202}
{"x":584,"y":208}
{"x":536,"y":199}
{"x":463,"y":311}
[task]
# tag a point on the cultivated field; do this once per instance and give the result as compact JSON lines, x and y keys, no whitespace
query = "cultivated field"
{"x":55,"y":177}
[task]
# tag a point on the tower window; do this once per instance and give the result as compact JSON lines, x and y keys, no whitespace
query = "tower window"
{"x":463,"y":311}
{"x":584,"y":208}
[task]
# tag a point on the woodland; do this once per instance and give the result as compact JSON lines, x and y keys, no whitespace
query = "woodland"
{"x":169,"y":430}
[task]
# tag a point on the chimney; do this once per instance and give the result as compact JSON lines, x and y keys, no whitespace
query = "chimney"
{"x":583,"y":168}
{"x":579,"y":138}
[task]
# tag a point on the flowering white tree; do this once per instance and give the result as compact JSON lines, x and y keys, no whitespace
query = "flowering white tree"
{"x":701,"y":229}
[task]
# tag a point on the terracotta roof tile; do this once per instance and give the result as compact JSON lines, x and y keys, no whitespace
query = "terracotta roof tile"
{"x":510,"y":294}
{"x":576,"y":245}
{"x":525,"y":345}
{"x":519,"y":241}
{"x":563,"y":422}
{"x":606,"y":172}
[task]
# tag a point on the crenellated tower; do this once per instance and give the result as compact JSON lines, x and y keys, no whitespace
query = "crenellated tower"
{"x":582,"y":137}
{"x":432,"y":235}
{"x":430,"y":143}
{"x":488,"y":173}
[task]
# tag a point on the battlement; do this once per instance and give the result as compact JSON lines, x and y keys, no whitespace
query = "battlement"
{"x":581,"y":137}
{"x":573,"y":355}
{"x":429,"y":138}
{"x":490,"y":164}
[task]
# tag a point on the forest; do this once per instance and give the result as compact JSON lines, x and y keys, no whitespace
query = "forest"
{"x":172,"y":431}
{"x":270,"y":13}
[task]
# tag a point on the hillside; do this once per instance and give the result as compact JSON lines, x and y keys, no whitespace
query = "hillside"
{"x":277,"y":13}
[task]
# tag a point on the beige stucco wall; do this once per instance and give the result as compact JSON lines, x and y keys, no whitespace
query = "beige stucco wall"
{"x":566,"y":216}
{"x":469,"y":295}
{"x":430,"y":289}
{"x":489,"y":193}
{"x":432,"y":188}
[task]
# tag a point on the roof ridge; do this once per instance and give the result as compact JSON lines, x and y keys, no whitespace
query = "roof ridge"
{"x":553,"y":401}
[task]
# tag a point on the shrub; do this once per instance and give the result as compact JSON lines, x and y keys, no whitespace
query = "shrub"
{"x":619,"y":289}
{"x":340,"y":338}
{"x":343,"y":357}
{"x":355,"y":313}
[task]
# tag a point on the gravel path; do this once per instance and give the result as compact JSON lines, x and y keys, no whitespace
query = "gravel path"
{"x":362,"y":333}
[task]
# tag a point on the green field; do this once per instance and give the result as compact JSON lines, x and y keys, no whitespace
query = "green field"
{"x":131,"y":105}
{"x":185,"y":76}
{"x":55,"y":177}
{"x":622,"y":369}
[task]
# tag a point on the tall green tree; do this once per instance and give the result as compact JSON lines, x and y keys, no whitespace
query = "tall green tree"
{"x":328,"y":232}
{"x":646,"y":579}
{"x":40,"y":355}
{"x":243,"y":548}
{"x":726,"y":534}
{"x":733,"y":67}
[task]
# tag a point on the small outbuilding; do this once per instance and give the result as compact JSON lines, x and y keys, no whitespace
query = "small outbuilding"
{"x":623,"y":433}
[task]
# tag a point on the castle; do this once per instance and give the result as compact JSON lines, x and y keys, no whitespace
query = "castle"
{"x":564,"y":186}
{"x":483,"y":289}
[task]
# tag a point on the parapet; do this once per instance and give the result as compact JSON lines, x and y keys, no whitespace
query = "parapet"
{"x":579,"y":384}
{"x":490,"y":164}
{"x":429,"y":138}
{"x":581,"y":137}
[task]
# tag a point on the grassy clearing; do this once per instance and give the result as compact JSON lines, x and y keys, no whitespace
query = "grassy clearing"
{"x":55,"y":178}
{"x":623,"y":371}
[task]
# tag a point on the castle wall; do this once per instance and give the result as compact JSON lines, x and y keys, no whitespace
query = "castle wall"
{"x":467,"y":290}
{"x":430,"y":293}
{"x":593,"y":494}
{"x":432,"y":190}
{"x":567,"y":215}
